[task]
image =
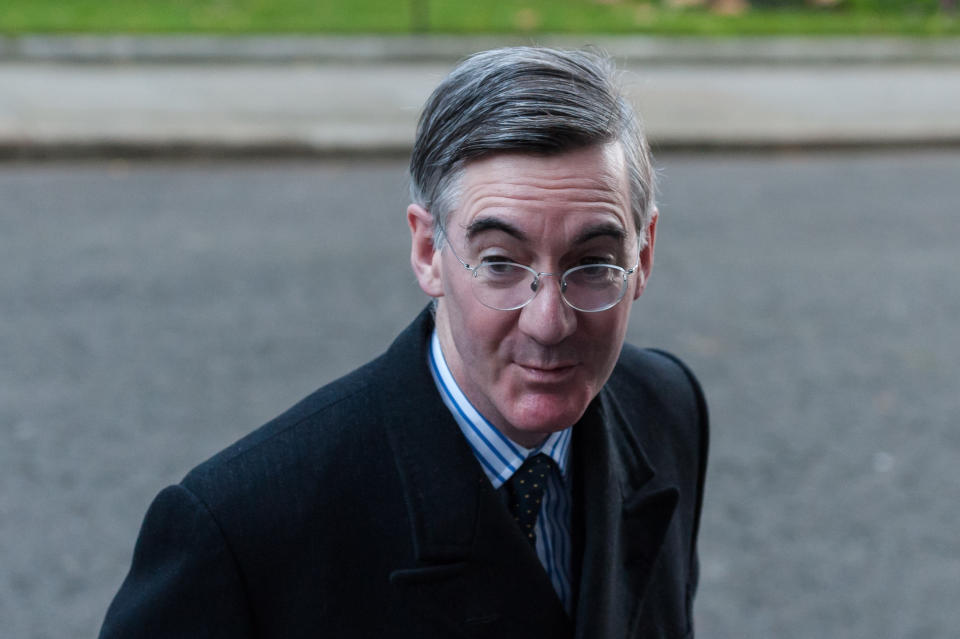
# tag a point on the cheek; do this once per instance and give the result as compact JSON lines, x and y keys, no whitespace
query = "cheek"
{"x":606,"y":335}
{"x":487,"y":335}
{"x":480,"y":333}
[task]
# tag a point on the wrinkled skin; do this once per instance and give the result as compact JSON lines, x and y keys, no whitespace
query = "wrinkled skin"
{"x":534,"y":370}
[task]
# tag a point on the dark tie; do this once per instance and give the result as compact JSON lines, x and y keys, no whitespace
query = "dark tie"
{"x":526,"y":492}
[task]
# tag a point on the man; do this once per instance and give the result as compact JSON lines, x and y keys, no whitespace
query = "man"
{"x":508,"y":468}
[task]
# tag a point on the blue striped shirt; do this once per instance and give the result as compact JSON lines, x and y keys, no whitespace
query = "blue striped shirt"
{"x":500,"y":458}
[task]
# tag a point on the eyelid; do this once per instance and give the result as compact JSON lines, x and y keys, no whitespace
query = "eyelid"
{"x":598,"y":259}
{"x":599,"y":253}
{"x":589,"y":259}
{"x":596,"y":256}
{"x":489,"y":259}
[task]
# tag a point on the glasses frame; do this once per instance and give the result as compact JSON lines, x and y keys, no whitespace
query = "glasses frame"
{"x":535,"y":286}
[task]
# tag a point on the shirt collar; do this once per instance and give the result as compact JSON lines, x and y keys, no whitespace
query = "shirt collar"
{"x":498,"y":455}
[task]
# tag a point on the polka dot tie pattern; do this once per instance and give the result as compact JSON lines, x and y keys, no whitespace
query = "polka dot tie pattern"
{"x":526,"y":492}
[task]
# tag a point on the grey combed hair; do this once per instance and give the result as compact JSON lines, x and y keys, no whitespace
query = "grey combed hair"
{"x":525,"y":99}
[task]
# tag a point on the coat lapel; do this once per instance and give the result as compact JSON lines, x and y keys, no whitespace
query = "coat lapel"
{"x":472,"y":569}
{"x":624,"y":514}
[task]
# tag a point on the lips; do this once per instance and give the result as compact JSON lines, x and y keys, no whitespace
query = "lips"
{"x":547,"y":367}
{"x":550,"y":373}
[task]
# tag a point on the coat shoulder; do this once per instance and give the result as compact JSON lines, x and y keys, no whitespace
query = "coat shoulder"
{"x":326,"y":419}
{"x":329,"y":434}
{"x":658,"y":380}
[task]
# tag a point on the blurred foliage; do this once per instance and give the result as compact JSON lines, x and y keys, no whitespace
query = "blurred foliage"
{"x":666,"y":17}
{"x":891,"y":6}
{"x":882,"y":6}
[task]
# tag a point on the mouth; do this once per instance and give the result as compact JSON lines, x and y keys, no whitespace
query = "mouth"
{"x":550,"y":373}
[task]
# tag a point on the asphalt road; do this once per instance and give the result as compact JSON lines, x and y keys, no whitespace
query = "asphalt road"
{"x":152,"y":313}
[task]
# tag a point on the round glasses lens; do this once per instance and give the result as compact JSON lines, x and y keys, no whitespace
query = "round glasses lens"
{"x":594,"y":287}
{"x":502,"y":285}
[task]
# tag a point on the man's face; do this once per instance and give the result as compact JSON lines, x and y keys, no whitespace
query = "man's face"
{"x":534,"y":370}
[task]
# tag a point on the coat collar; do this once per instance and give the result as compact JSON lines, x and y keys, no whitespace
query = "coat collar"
{"x":468,"y":552}
{"x":467,"y":549}
{"x":624,"y":515}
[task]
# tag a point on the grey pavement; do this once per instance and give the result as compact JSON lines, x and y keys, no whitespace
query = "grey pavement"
{"x":175,"y":96}
{"x":447,"y":48}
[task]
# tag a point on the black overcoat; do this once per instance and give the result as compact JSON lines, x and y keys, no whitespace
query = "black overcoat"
{"x":362,"y":512}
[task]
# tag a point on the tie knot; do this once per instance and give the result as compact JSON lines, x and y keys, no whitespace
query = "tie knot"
{"x":540,"y":463}
{"x":526,"y":488}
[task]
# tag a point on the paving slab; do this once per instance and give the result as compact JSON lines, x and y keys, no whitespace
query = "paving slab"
{"x":129,"y":97}
{"x":447,"y":48}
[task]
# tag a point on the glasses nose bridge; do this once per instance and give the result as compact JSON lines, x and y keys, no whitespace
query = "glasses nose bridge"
{"x":535,"y":284}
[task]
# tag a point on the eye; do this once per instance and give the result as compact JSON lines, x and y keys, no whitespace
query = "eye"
{"x":496,"y":259}
{"x":500,"y":268}
{"x":596,"y":272}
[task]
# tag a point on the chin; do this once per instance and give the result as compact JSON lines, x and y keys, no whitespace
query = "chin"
{"x":545,"y":414}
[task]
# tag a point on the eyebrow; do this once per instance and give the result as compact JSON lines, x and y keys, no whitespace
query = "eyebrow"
{"x":601,"y":230}
{"x":484,"y":224}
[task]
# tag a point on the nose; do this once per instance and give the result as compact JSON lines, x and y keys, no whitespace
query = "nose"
{"x":547,"y":318}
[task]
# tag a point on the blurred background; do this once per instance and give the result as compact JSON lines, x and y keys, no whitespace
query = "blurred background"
{"x":202,"y":220}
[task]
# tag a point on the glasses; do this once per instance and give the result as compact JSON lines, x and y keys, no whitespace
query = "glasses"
{"x":508,"y":286}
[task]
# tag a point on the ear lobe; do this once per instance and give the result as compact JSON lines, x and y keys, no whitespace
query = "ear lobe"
{"x":424,"y":259}
{"x":646,"y":255}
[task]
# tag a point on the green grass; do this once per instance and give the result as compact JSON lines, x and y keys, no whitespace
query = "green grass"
{"x":786,"y":17}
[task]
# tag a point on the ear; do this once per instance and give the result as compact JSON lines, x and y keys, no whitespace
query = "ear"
{"x":646,"y":255}
{"x":424,"y":259}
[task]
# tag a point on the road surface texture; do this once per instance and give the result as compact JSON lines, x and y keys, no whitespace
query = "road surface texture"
{"x":154,"y":312}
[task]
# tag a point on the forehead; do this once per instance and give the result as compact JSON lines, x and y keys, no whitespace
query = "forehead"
{"x":547,"y":194}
